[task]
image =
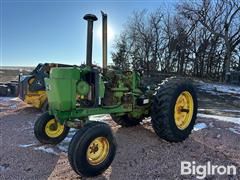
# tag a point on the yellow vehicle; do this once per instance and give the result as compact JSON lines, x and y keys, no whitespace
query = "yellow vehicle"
{"x":32,"y":86}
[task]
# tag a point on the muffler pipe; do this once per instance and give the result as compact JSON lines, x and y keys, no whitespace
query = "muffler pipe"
{"x":104,"y":41}
{"x":90,"y":18}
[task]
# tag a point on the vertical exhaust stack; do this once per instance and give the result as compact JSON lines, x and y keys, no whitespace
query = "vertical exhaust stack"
{"x":104,"y":41}
{"x":90,"y":18}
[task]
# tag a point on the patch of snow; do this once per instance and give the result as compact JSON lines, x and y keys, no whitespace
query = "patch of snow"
{"x":26,"y":145}
{"x":13,"y":106}
{"x":221,"y":110}
{"x":211,"y":124}
{"x":7,"y":99}
{"x":63,"y":148}
{"x":67,"y":139}
{"x":3,"y":167}
{"x":16,"y":99}
{"x":100,"y":117}
{"x":235,"y":130}
{"x":222,"y":88}
{"x":146,"y":120}
{"x":199,"y":126}
{"x":9,"y":103}
{"x":220,"y":118}
{"x":72,"y":130}
{"x":46,"y":150}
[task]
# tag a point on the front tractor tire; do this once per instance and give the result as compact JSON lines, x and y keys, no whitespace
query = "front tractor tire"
{"x":92,"y":149}
{"x":174,"y":109}
{"x":48,"y":130}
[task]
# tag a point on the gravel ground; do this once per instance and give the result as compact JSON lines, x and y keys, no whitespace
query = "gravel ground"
{"x":140,"y":154}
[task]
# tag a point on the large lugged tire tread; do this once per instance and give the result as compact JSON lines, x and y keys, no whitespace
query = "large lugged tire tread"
{"x":161,"y":108}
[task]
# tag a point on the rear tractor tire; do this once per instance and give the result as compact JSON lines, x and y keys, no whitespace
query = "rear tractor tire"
{"x":125,"y":120}
{"x":174,"y":109}
{"x":92,"y":149}
{"x":48,"y":130}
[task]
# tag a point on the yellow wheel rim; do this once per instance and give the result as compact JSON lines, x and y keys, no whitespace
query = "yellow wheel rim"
{"x":53,"y":128}
{"x":183,"y":110}
{"x":97,"y":151}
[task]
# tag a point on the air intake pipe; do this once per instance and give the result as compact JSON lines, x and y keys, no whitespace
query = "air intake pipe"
{"x":90,"y":18}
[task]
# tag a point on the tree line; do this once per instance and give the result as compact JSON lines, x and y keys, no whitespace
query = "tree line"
{"x":200,"y":39}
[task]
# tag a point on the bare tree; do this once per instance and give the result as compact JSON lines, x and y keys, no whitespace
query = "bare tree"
{"x":221,"y":19}
{"x":121,"y":56}
{"x":201,"y":39}
{"x":143,"y":40}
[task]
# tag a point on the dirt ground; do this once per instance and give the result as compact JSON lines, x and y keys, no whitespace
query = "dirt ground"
{"x":141,"y":154}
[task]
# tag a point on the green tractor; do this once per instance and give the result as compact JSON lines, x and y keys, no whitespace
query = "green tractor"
{"x":75,"y":93}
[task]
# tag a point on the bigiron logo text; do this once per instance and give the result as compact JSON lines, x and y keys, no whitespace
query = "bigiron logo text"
{"x":200,"y":171}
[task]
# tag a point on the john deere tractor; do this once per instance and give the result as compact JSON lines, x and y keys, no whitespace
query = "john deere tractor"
{"x":75,"y":93}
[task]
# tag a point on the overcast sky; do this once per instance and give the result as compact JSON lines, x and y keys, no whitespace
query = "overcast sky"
{"x":54,"y":31}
